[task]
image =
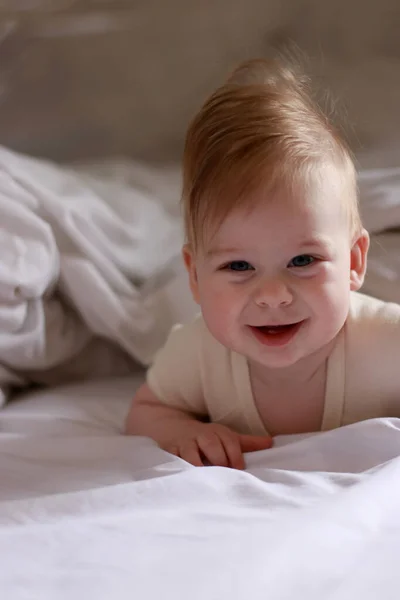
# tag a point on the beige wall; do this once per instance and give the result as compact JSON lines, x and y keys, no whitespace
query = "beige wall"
{"x":89,"y":79}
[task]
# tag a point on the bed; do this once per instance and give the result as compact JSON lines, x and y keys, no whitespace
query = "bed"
{"x":84,"y":510}
{"x":87,"y":512}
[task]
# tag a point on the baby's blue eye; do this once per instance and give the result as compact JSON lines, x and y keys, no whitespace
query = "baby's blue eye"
{"x":239,"y":265}
{"x":303,"y":260}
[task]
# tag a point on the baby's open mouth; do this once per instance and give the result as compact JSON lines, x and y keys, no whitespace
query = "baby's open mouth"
{"x":274,"y":329}
{"x":276,"y":335}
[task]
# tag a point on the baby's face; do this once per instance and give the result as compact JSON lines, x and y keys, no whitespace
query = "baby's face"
{"x":274,"y":283}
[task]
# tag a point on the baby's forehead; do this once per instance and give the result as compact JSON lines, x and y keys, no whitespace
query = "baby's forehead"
{"x":283,"y":209}
{"x":323,"y":205}
{"x":279,"y":222}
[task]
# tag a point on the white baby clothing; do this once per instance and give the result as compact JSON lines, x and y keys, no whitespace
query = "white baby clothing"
{"x":195,"y":373}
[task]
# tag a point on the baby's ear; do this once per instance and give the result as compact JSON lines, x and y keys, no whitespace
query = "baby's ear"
{"x":358,"y":260}
{"x":188,"y":257}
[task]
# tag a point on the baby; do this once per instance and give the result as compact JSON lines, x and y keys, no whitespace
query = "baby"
{"x":275,"y":254}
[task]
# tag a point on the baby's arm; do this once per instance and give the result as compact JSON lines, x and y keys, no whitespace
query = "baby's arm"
{"x":184,"y":435}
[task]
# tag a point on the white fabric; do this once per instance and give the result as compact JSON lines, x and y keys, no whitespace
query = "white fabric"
{"x":86,"y":512}
{"x":83,"y":256}
{"x":195,"y":373}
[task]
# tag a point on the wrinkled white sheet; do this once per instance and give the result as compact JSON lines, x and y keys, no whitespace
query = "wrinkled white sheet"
{"x":90,"y":274}
{"x":86,"y":512}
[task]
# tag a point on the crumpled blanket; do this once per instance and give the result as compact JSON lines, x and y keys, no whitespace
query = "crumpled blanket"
{"x":90,"y":274}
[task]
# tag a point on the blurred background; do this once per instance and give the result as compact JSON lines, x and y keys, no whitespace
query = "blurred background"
{"x":90,"y":79}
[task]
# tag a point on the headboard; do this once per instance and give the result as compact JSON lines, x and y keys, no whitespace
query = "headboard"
{"x":93,"y":78}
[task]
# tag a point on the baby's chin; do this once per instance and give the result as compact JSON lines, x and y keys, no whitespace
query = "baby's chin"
{"x":270,"y":358}
{"x":299,"y":354}
{"x":296,"y":351}
{"x":277,"y":361}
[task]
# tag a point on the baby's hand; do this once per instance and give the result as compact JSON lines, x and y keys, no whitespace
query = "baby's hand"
{"x":182,"y":434}
{"x":217,"y":444}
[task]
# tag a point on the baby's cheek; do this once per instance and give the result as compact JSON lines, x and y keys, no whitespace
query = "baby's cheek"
{"x":331,"y":302}
{"x":334,"y":272}
{"x":216,"y":304}
{"x":323,"y":272}
{"x":218,"y":308}
{"x":326,"y":282}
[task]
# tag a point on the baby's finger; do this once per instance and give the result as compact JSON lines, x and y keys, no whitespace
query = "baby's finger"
{"x":213,"y":449}
{"x":191,"y":453}
{"x":233,"y":451}
{"x":172,"y":450}
{"x":252,"y":443}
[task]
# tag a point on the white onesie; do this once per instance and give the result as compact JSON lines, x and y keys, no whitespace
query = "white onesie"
{"x":196,"y":373}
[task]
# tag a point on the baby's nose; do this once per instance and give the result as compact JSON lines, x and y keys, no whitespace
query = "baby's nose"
{"x":273,"y":293}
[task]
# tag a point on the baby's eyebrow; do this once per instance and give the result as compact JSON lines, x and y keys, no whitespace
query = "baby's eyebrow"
{"x":319,"y":240}
{"x":212,"y":252}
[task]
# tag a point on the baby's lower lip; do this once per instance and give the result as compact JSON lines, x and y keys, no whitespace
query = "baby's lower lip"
{"x":276,"y":335}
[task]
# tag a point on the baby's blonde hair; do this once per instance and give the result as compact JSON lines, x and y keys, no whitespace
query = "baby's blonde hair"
{"x":261,"y":129}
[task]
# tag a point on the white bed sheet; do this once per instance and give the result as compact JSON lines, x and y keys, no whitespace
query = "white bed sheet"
{"x":86,"y":512}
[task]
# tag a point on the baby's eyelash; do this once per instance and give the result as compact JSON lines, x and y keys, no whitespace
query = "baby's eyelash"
{"x":238,"y":266}
{"x":303,"y":261}
{"x":298,"y":262}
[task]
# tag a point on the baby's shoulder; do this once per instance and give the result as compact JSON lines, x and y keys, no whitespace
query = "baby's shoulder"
{"x":183,"y":332}
{"x":192,"y":338}
{"x":372,"y":323}
{"x":366,"y":310}
{"x":372,"y":345}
